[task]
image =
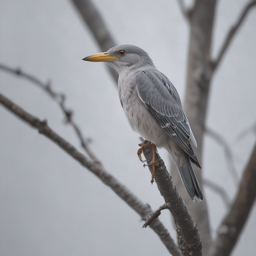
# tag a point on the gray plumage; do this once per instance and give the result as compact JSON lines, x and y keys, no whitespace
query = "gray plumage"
{"x":153,"y":109}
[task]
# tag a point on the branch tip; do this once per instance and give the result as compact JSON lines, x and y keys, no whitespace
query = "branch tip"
{"x":59,"y":98}
{"x":152,"y":216}
{"x":230,"y":35}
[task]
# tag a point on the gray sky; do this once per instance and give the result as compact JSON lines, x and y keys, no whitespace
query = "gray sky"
{"x":50,"y":205}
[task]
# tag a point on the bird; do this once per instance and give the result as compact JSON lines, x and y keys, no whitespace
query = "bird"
{"x":153,"y":108}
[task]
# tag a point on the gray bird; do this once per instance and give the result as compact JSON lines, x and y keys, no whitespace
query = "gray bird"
{"x":153,"y":108}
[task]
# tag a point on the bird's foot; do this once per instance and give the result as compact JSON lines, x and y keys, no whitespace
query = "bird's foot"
{"x":153,"y":163}
{"x":142,"y":145}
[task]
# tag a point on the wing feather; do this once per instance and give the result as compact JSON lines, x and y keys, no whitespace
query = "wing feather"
{"x":163,"y":102}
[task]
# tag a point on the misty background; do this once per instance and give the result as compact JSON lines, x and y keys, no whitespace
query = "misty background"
{"x":50,"y":204}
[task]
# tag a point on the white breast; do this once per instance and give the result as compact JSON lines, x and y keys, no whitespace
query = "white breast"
{"x":137,"y":114}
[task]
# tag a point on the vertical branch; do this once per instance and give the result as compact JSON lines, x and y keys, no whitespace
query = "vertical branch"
{"x":196,"y":102}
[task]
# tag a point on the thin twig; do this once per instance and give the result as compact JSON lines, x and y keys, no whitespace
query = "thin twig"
{"x":184,"y":222}
{"x":227,"y":151}
{"x":231,"y":33}
{"x":60,"y":99}
{"x":219,"y":190}
{"x":152,"y":216}
{"x":124,"y":193}
{"x":246,"y":131}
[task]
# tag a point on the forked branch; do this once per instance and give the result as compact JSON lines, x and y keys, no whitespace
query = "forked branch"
{"x":133,"y":201}
{"x":231,"y":34}
{"x":60,"y":99}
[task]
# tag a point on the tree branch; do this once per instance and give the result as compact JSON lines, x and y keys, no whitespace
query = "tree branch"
{"x":152,"y":216}
{"x":133,"y":201}
{"x":231,"y":34}
{"x":184,"y":222}
{"x":219,"y":190}
{"x":246,"y":131}
{"x":60,"y":99}
{"x":232,"y":225}
{"x":196,"y":103}
{"x":187,"y":12}
{"x":93,"y":19}
{"x":227,"y":151}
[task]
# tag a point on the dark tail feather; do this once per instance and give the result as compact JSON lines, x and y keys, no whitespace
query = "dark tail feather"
{"x":189,"y":180}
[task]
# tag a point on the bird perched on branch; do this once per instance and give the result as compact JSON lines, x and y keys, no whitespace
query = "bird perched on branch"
{"x":153,"y":108}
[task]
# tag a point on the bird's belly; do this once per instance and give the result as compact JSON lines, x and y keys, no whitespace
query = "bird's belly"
{"x":143,"y":122}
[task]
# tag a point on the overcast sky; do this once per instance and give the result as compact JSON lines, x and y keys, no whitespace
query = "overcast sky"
{"x":50,"y":205}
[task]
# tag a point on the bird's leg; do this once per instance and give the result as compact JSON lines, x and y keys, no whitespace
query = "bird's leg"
{"x":142,"y":145}
{"x":153,"y":162}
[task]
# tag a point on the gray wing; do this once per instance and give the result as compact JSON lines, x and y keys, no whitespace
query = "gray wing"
{"x":163,"y":102}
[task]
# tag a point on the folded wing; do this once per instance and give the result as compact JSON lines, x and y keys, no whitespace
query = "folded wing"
{"x":163,"y":102}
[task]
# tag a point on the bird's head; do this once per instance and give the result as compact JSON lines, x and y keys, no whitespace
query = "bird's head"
{"x":123,"y":57}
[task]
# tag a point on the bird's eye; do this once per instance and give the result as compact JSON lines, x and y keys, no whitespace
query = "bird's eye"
{"x":122,"y":52}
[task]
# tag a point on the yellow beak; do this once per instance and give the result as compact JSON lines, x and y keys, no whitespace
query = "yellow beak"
{"x":100,"y":57}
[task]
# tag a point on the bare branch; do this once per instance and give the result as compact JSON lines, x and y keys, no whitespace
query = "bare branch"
{"x":184,"y":222}
{"x":219,"y":190}
{"x":232,"y":225}
{"x":246,"y":131}
{"x":231,"y":34}
{"x":60,"y":99}
{"x":93,"y":19}
{"x":124,"y":193}
{"x":198,"y":83}
{"x":185,"y":11}
{"x":227,"y":151}
{"x":152,"y":216}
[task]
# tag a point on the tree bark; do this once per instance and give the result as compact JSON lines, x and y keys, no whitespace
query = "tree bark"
{"x":196,"y":102}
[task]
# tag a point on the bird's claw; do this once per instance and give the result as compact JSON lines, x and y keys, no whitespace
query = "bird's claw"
{"x":153,"y":162}
{"x":142,"y":145}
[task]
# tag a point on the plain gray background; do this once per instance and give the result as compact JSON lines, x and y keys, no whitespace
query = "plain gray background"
{"x":50,"y":205}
